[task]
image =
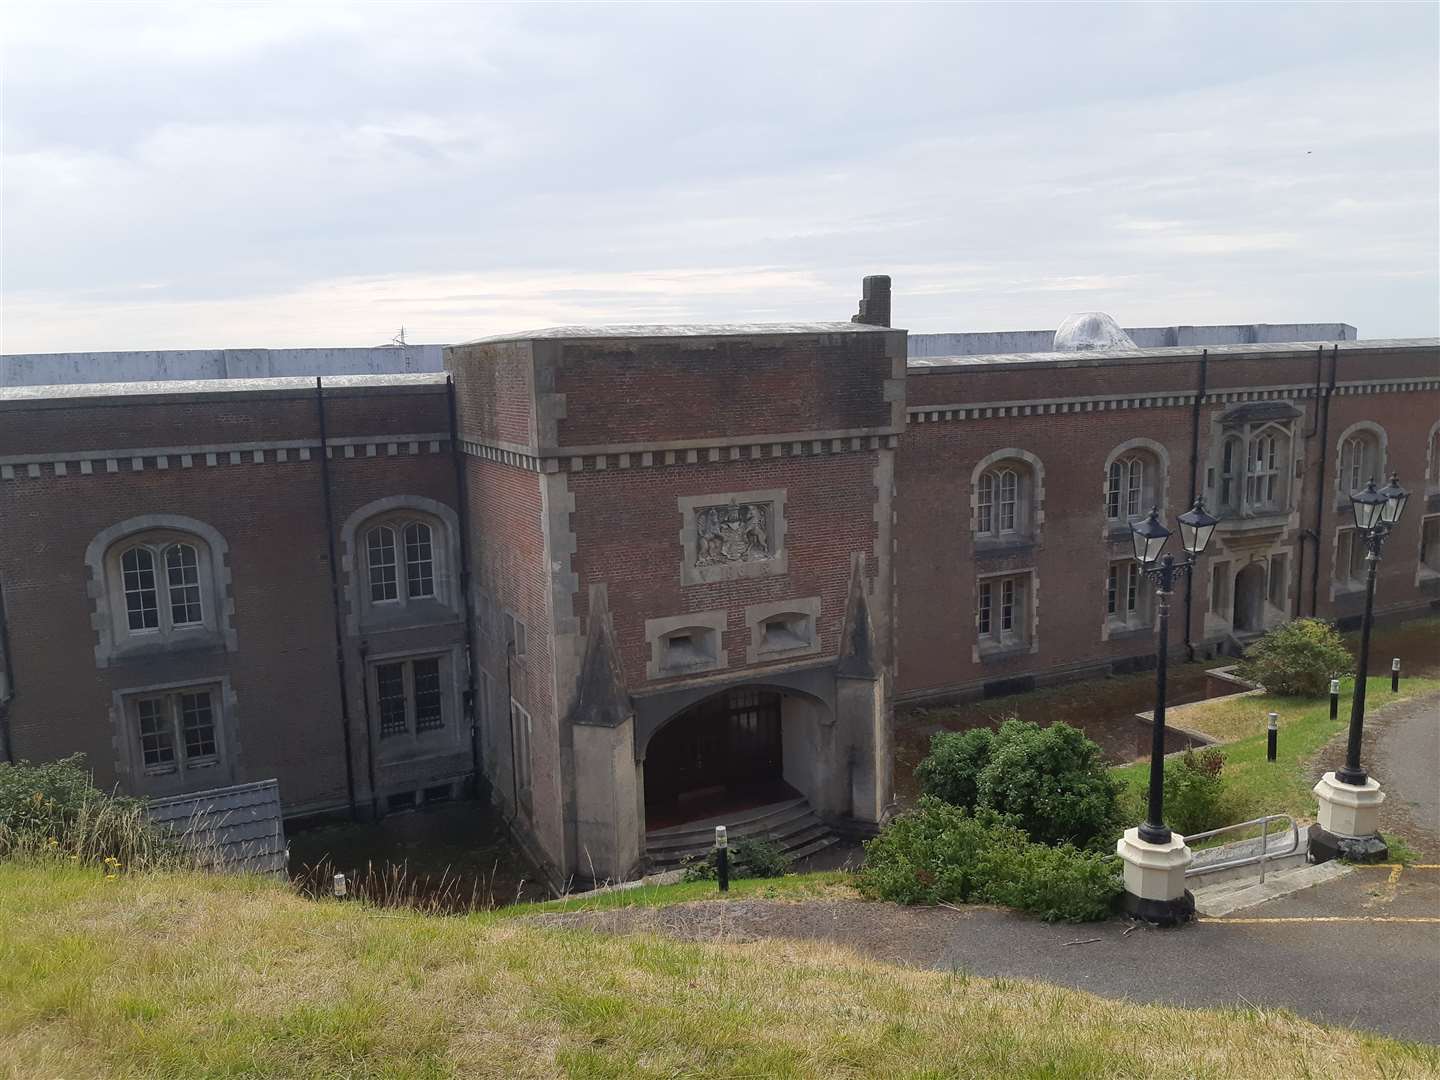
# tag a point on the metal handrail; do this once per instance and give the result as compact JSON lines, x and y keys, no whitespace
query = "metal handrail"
{"x":1245,"y":860}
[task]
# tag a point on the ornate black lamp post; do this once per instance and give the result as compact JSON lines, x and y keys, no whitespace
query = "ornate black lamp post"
{"x":1196,"y":528}
{"x":1349,"y":799}
{"x":1155,"y":859}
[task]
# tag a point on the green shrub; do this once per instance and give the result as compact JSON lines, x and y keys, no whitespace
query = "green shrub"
{"x":1051,"y":782}
{"x":1298,"y":659}
{"x":952,"y":768}
{"x":1193,"y":789}
{"x":938,"y":853}
{"x":748,"y":859}
{"x":54,"y":808}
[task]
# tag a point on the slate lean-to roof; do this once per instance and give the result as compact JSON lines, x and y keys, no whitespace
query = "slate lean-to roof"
{"x":233,"y":829}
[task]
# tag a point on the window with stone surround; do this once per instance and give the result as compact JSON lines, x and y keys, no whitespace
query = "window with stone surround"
{"x":160,"y":588}
{"x":1003,"y":612}
{"x":1127,"y":596}
{"x":1135,"y":477}
{"x":176,"y":732}
{"x":1360,"y":462}
{"x":409,"y":696}
{"x":686,"y":644}
{"x":524,"y":776}
{"x":1006,"y":493}
{"x":400,"y":561}
{"x":1349,"y":559}
{"x":1430,"y":544}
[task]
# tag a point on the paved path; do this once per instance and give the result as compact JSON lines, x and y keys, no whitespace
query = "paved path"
{"x":1407,"y":763}
{"x":1374,"y":969}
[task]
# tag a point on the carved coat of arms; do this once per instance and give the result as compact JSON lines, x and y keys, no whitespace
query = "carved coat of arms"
{"x":727,"y":534}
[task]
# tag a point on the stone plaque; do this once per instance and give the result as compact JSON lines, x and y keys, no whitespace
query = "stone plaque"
{"x":736,"y":533}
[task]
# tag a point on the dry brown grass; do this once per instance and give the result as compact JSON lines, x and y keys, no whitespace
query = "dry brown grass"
{"x":169,"y":975}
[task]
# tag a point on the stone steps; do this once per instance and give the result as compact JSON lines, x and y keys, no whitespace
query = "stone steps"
{"x":791,"y":826}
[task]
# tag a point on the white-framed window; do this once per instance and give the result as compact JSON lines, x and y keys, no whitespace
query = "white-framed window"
{"x":515,"y":633}
{"x":1126,"y":485}
{"x":162,"y":584}
{"x":1264,"y":480}
{"x":176,"y":731}
{"x":409,"y":695}
{"x":1127,"y":596}
{"x":998,"y":502}
{"x":400,"y":561}
{"x":1255,"y":468}
{"x":1002,"y":605}
{"x":1359,"y":462}
{"x":1349,"y":558}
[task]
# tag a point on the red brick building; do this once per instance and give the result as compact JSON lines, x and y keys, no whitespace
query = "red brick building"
{"x":614,"y":573}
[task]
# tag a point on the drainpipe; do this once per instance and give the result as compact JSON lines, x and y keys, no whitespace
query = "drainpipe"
{"x":369,"y":736}
{"x":514,"y":756}
{"x":1320,"y":494}
{"x":1306,"y":534}
{"x":1194,"y":488}
{"x":7,"y":684}
{"x":335,"y":601}
{"x":462,"y":504}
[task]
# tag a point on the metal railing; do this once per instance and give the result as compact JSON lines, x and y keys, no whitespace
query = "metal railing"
{"x":1262,"y":856}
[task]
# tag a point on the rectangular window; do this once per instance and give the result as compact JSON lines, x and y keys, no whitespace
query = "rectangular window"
{"x":409,"y":696}
{"x":142,"y":606}
{"x":1132,"y":589}
{"x":522,"y":747}
{"x":515,"y":633}
{"x":1112,"y":590}
{"x":177,"y":730}
{"x":419,"y":561}
{"x":1430,"y":543}
{"x":1349,"y":557}
{"x":157,"y":737}
{"x":428,"y":712}
{"x":182,"y":573}
{"x":1277,"y":580}
{"x":1220,"y":588}
{"x":1001,"y":610}
{"x":380,"y":554}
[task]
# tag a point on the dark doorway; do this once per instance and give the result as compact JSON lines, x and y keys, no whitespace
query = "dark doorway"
{"x":1250,"y":599}
{"x":726,"y":743}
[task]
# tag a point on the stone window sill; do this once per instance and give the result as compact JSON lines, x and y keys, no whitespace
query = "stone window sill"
{"x":995,"y":653}
{"x":1130,"y":631}
{"x":994,"y":549}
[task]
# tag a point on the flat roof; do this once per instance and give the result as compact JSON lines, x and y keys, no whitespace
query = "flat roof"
{"x":920,"y":365}
{"x":691,"y":330}
{"x":280,"y":386}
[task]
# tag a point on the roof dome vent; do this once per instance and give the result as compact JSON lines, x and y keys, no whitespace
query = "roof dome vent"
{"x":1091,"y":331}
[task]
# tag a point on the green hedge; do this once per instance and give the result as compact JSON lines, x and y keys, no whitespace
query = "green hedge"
{"x":939,"y":853}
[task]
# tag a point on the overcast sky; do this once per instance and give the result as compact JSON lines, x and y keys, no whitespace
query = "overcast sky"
{"x":206,"y":176}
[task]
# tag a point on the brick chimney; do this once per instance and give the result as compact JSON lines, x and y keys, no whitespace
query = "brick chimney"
{"x":875,"y":301}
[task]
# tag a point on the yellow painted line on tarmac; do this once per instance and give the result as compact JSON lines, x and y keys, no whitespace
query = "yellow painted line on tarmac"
{"x":1330,"y":919}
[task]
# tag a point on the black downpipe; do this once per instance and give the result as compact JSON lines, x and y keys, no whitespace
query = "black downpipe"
{"x":7,"y":752}
{"x":1194,"y":489}
{"x":462,"y":507}
{"x":1305,"y":534}
{"x":369,"y":735}
{"x":514,"y":755}
{"x":1320,"y":494}
{"x":335,"y":601}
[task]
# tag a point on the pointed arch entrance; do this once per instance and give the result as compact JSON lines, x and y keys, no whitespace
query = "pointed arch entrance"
{"x":1250,"y":599}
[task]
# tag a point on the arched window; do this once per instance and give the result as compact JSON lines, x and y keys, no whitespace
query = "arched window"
{"x":1359,"y":461}
{"x":163,"y":582}
{"x":1002,"y":502}
{"x":386,"y":546}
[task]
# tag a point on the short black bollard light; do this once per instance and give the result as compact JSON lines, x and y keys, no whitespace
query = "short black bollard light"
{"x":1395,"y":675}
{"x":1334,"y":699}
{"x":1272,"y":736}
{"x":722,"y":858}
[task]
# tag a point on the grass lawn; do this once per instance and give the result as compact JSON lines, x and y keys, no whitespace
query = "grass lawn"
{"x":822,"y":885}
{"x":1254,"y":786}
{"x":169,"y":975}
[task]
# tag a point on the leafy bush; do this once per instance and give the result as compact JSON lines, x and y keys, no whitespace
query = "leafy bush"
{"x":1193,"y":788}
{"x":938,"y":853}
{"x":53,"y":808}
{"x":748,"y":859}
{"x":951,"y":770}
{"x":1298,"y":659}
{"x":1051,"y":782}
